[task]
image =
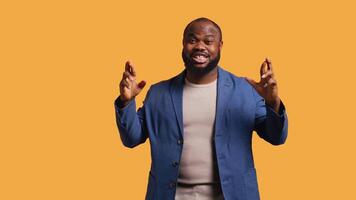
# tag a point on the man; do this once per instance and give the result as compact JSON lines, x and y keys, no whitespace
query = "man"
{"x":200,"y":122}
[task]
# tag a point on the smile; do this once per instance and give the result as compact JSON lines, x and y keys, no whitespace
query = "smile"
{"x":200,"y":58}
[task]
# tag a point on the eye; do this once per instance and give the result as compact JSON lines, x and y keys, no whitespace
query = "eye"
{"x":209,"y":42}
{"x":191,"y":40}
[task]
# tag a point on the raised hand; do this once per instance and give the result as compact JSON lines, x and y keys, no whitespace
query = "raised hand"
{"x":129,"y":88}
{"x":267,"y":87}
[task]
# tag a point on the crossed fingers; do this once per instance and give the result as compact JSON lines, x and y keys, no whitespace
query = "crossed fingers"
{"x":267,"y":75}
{"x":128,"y":76}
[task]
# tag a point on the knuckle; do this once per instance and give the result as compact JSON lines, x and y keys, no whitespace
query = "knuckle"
{"x":272,"y":81}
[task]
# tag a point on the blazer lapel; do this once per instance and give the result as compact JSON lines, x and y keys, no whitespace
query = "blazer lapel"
{"x":176,"y":90}
{"x":223,"y":93}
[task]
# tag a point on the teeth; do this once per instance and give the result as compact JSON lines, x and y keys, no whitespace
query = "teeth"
{"x":200,"y":58}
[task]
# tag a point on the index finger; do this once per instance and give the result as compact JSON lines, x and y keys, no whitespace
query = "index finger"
{"x":133,"y":71}
{"x":269,"y":64}
{"x":263,"y":68}
{"x":129,"y":68}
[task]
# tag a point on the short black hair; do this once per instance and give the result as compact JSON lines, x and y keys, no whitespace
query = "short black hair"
{"x":203,"y":19}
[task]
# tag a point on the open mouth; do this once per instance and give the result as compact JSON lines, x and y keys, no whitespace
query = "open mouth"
{"x":200,"y":58}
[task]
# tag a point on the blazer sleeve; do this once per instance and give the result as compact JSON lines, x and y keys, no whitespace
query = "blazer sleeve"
{"x":270,"y":125}
{"x":131,"y":124}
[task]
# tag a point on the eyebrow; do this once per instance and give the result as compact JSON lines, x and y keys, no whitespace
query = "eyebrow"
{"x":194,"y":35}
{"x":210,"y":36}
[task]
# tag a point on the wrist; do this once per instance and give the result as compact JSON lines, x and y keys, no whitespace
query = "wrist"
{"x":275,"y":104}
{"x":123,"y":102}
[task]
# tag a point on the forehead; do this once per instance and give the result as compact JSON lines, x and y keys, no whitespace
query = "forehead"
{"x":202,"y":29}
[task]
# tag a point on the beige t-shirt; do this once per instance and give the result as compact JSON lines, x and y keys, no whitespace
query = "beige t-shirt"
{"x":198,"y":161}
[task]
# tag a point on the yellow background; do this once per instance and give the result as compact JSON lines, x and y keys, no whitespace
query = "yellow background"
{"x":61,"y":62}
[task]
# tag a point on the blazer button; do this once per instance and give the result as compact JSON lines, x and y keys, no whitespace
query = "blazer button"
{"x":175,"y":164}
{"x":179,"y":141}
{"x":172,"y":185}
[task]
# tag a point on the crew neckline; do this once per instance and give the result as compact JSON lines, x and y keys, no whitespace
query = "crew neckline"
{"x":200,"y":85}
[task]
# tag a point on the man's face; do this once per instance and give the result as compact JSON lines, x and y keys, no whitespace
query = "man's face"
{"x":201,"y":47}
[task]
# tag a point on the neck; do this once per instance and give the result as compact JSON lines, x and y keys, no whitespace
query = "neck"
{"x":202,"y":78}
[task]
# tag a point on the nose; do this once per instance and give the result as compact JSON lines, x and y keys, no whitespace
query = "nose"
{"x":199,"y":46}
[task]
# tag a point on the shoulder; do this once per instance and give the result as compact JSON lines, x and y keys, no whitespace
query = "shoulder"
{"x":241,"y":88}
{"x":164,"y":86}
{"x":237,"y":81}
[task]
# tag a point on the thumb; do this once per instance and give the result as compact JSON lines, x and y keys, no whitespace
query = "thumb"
{"x":138,"y":88}
{"x":141,"y":85}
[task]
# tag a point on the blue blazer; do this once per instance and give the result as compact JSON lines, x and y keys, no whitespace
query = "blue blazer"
{"x":240,"y":110}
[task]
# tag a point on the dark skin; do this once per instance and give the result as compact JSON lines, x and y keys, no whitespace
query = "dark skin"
{"x":267,"y":87}
{"x":204,"y":37}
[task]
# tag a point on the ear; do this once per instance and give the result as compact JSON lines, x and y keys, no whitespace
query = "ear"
{"x":221,"y":45}
{"x":183,"y":40}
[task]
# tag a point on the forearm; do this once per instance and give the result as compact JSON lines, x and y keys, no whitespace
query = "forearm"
{"x":129,"y":123}
{"x":274,"y":126}
{"x":275,"y":105}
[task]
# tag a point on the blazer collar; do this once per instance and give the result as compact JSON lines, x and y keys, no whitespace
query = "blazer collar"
{"x":223,"y":84}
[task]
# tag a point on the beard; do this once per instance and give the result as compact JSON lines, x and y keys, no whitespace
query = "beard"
{"x":189,"y":64}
